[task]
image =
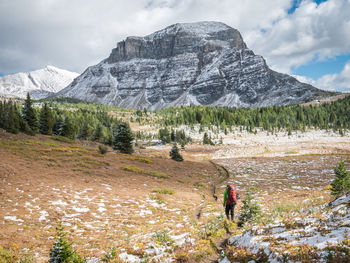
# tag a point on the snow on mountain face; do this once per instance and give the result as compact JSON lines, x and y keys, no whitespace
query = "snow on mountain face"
{"x":187,"y":64}
{"x":40,"y":83}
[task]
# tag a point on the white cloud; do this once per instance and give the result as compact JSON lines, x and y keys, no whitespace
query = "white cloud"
{"x":336,"y":82}
{"x":76,"y":34}
{"x":331,"y":82}
{"x":311,"y":32}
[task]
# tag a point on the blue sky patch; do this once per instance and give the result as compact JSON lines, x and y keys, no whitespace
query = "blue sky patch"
{"x":296,"y":3}
{"x":316,"y":69}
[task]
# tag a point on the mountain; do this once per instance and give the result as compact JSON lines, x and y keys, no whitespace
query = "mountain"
{"x":187,"y":64}
{"x":39,"y":83}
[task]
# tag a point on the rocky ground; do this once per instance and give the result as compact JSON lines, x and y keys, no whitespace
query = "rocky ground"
{"x":317,"y":234}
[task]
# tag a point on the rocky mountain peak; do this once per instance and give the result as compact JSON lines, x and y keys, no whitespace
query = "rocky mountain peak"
{"x":200,"y":37}
{"x":187,"y":64}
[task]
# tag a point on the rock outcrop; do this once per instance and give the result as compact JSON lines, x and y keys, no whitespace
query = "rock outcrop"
{"x":187,"y":64}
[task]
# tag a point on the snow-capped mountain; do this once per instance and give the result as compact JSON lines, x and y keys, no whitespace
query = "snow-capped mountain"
{"x":187,"y":64}
{"x":39,"y":83}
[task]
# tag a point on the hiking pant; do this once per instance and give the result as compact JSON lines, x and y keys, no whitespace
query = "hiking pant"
{"x":230,"y":208}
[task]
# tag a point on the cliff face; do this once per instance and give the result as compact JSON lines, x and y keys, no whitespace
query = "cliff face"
{"x":187,"y":64}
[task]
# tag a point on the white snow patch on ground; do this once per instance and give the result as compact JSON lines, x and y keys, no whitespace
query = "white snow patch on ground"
{"x":59,"y":202}
{"x":43,"y":216}
{"x":129,"y":258}
{"x":13,"y":218}
{"x":81,"y":209}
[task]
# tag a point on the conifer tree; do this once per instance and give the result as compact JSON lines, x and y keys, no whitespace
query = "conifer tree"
{"x":12,"y":119}
{"x":97,"y":134}
{"x":123,"y":138}
{"x":164,"y":135}
{"x":46,"y":120}
{"x":85,"y":131}
{"x":341,"y":182}
{"x":207,"y":140}
{"x":251,"y":210}
{"x":62,"y":250}
{"x":175,"y":154}
{"x":2,"y":118}
{"x":67,"y":128}
{"x":172,"y":135}
{"x":29,"y":115}
{"x":57,"y":127}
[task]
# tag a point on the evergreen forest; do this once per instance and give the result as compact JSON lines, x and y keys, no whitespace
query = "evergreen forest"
{"x":76,"y":119}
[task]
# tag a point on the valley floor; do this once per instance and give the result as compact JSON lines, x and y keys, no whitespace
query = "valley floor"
{"x":146,"y":205}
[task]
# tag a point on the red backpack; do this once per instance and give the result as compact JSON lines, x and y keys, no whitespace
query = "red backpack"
{"x":231,"y":195}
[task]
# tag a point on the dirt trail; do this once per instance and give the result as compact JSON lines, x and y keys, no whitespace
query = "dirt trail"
{"x":223,"y":175}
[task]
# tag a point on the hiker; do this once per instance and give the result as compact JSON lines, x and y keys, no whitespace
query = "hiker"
{"x":230,"y":200}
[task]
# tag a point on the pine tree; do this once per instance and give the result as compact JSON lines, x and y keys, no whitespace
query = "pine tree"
{"x":123,"y":138}
{"x":29,"y":115}
{"x":164,"y":136}
{"x":57,"y":127}
{"x":251,"y":210}
{"x":175,"y":154}
{"x":12,"y":119}
{"x":172,"y":135}
{"x":2,"y":118}
{"x":207,"y":140}
{"x":67,"y":128}
{"x":46,"y":120}
{"x":97,"y":135}
{"x":85,"y":131}
{"x":62,"y":251}
{"x":341,"y":182}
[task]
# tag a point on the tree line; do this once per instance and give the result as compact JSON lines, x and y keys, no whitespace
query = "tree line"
{"x":82,"y":123}
{"x":334,"y":115}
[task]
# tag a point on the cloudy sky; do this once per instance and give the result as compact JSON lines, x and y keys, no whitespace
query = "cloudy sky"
{"x":306,"y":38}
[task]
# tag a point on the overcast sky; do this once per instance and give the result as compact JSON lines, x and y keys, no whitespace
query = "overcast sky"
{"x":307,"y":38}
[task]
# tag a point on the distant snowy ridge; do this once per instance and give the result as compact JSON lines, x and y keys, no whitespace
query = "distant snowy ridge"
{"x":39,"y":83}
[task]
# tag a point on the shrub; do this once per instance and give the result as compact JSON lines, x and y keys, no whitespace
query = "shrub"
{"x":251,"y":210}
{"x":341,"y":182}
{"x":163,"y":238}
{"x":102,"y":149}
{"x":165,"y":191}
{"x":62,"y":139}
{"x":62,"y":250}
{"x":175,"y":154}
{"x":134,"y":169}
{"x":157,"y":198}
{"x":12,"y":255}
{"x":140,"y":159}
{"x":110,"y":256}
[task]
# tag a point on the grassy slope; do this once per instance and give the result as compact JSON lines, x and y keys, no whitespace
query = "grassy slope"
{"x":100,"y":203}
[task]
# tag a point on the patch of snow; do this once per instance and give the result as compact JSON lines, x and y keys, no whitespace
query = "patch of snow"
{"x":129,"y":258}
{"x":43,"y":216}
{"x":59,"y":202}
{"x":13,"y":218}
{"x":81,"y":209}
